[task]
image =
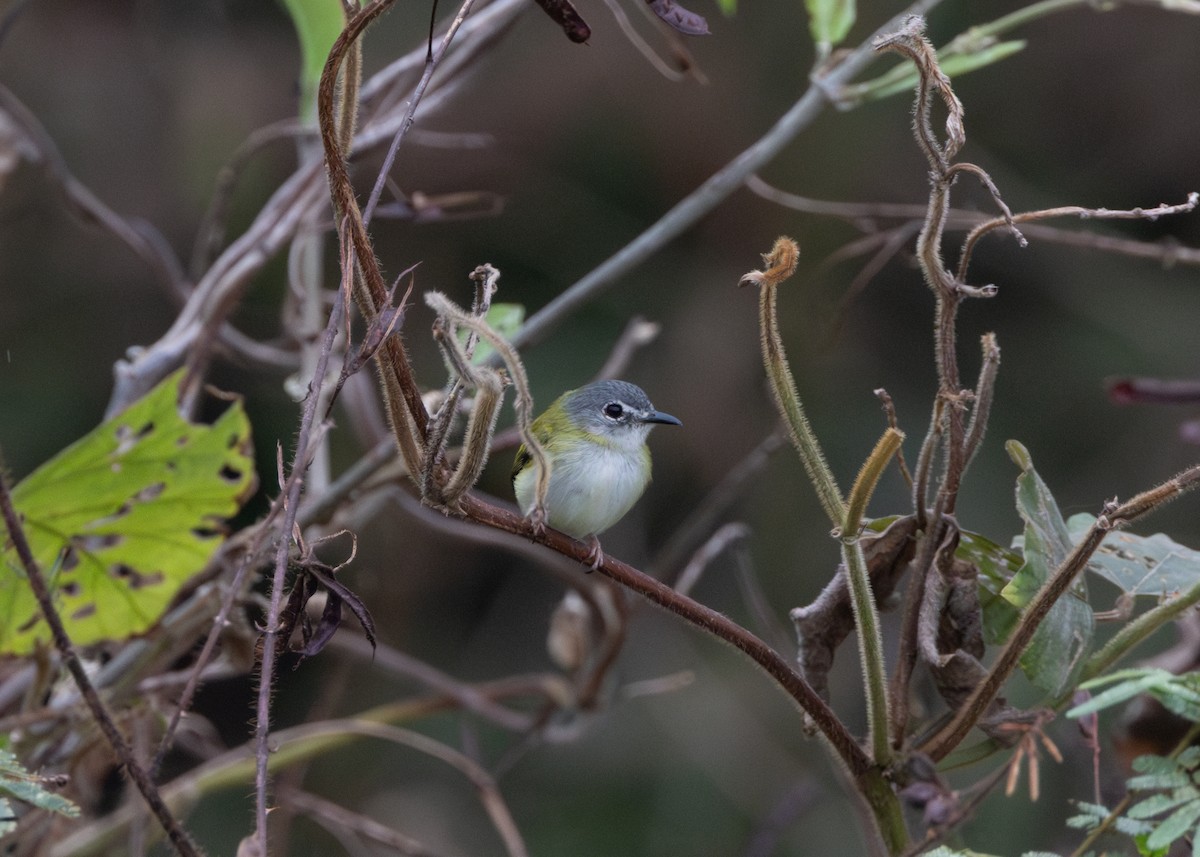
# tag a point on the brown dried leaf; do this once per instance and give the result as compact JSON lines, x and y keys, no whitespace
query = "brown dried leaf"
{"x":823,"y":625}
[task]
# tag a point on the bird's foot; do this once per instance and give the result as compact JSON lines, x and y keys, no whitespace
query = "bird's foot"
{"x":537,"y":520}
{"x":595,"y":556}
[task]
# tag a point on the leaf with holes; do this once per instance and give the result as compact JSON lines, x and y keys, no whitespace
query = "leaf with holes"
{"x":1140,"y":565}
{"x":122,"y":518}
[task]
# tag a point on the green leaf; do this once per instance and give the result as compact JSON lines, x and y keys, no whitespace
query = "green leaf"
{"x":1173,"y":779}
{"x":728,"y":7}
{"x":1175,"y":825}
{"x":318,"y":24}
{"x":997,"y":565}
{"x":1132,"y":827}
{"x":1056,"y":652}
{"x":1128,"y":683}
{"x":1153,"y":565}
{"x":505,"y":319}
{"x":1140,"y":841}
{"x":1159,"y":803}
{"x":829,"y":20}
{"x":954,"y":62}
{"x":1180,"y":694}
{"x":122,"y":518}
{"x":18,"y":784}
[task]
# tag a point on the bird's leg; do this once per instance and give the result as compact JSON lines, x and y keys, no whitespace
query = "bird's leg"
{"x":595,"y":556}
{"x":537,"y":519}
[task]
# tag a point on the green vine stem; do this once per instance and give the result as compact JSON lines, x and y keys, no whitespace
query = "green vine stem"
{"x":866,"y":617}
{"x":779,"y":265}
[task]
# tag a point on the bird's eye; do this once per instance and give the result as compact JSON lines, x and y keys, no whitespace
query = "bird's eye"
{"x":613,"y":410}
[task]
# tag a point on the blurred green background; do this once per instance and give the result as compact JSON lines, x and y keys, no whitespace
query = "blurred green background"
{"x":588,"y":146}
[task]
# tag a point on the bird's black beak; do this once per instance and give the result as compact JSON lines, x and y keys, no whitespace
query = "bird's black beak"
{"x":660,"y":417}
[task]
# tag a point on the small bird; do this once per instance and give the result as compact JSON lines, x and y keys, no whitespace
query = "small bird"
{"x":595,"y":439}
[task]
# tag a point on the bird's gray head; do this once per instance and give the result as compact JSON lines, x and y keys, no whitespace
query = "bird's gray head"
{"x":614,"y":409}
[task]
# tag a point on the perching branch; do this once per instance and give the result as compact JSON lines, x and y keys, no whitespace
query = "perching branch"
{"x":839,"y":738}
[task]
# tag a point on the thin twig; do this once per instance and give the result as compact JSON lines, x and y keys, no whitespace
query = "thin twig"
{"x":1164,"y":210}
{"x":290,"y":497}
{"x":723,"y":538}
{"x":859,"y":214}
{"x":147,"y":245}
{"x":711,"y":193}
{"x":431,"y":65}
{"x":329,"y":814}
{"x":706,"y":514}
{"x":889,"y":410}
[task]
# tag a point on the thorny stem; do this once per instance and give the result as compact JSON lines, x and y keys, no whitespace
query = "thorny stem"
{"x":984,"y":391}
{"x":906,"y":654}
{"x":489,"y":392}
{"x":947,"y":429}
{"x":889,"y":410}
{"x":523,"y":406}
{"x":911,"y":43}
{"x":485,"y":278}
{"x":291,"y":499}
{"x":37,"y":583}
{"x":1114,"y":516}
{"x":1193,"y":200}
{"x":925,"y":463}
{"x":855,"y":213}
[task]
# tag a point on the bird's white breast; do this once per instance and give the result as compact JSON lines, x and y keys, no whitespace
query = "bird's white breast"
{"x":589,"y":491}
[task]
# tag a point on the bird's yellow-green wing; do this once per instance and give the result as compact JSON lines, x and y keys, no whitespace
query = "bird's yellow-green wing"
{"x":542,"y":431}
{"x":521,"y":462}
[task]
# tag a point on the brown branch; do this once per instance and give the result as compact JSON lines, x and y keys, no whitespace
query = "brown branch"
{"x":860,"y":215}
{"x":401,"y":395}
{"x":704,"y":618}
{"x":1082,"y":213}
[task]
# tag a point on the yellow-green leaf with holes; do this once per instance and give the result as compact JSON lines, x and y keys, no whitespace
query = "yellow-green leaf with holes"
{"x":122,"y":518}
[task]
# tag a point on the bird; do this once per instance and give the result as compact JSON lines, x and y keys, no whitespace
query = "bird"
{"x":595,"y":440}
